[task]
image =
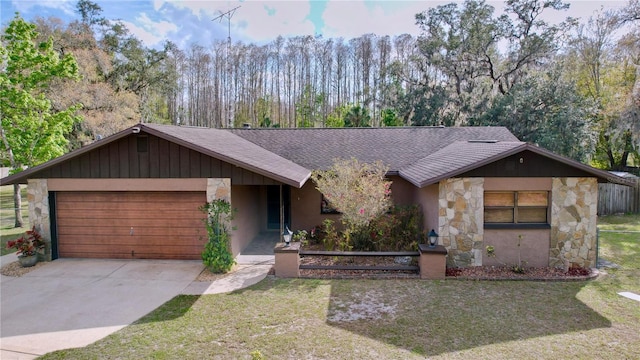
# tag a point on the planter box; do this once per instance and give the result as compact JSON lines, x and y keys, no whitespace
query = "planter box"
{"x":28,"y":261}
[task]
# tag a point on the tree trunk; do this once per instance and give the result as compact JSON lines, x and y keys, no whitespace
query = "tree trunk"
{"x":17,"y":203}
{"x":17,"y":199}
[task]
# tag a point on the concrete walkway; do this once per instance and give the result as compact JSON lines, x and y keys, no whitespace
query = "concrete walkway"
{"x":74,"y":302}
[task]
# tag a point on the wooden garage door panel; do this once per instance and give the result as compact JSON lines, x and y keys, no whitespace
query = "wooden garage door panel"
{"x":134,"y":252}
{"x":166,"y":225}
{"x":142,"y":206}
{"x":115,"y":215}
{"x":125,"y":230}
{"x":131,"y":196}
{"x":157,"y":222}
{"x":183,"y":240}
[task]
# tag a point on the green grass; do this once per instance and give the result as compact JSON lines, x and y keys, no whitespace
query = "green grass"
{"x":7,"y":217}
{"x":395,"y":319}
{"x":620,"y":239}
{"x":629,"y":222}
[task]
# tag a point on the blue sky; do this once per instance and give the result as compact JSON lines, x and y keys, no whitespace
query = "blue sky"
{"x":190,"y":21}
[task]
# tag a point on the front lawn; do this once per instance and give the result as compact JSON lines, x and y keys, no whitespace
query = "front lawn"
{"x":619,"y":239}
{"x":7,"y":217}
{"x":395,"y":319}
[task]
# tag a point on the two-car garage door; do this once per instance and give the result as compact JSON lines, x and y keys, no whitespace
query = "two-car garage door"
{"x":126,"y":225}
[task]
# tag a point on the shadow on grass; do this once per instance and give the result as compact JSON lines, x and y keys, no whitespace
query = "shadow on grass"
{"x":433,"y":317}
{"x":171,"y":310}
{"x":341,"y":319}
{"x":181,"y":304}
{"x":284,"y":286}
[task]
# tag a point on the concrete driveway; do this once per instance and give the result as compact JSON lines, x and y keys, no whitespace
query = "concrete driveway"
{"x":74,"y":302}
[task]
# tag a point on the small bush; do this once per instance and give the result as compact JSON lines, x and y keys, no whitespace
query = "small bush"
{"x":399,"y":229}
{"x":217,"y":256}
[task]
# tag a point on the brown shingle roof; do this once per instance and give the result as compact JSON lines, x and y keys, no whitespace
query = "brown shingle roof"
{"x":228,"y":147}
{"x":422,"y":155}
{"x":457,"y":158}
{"x":396,"y":147}
{"x":217,"y":143}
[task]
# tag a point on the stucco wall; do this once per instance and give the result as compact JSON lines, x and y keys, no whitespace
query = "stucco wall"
{"x":38,"y":197}
{"x":461,"y":219}
{"x":574,"y":205}
{"x":427,"y":197}
{"x":534,"y":247}
{"x":247,"y":219}
{"x":515,"y":184}
{"x":305,"y":208}
{"x":402,"y":191}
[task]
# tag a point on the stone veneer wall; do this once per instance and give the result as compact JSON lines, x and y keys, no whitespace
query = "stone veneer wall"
{"x":461,"y":220}
{"x":38,"y":197}
{"x":219,"y":188}
{"x":574,"y":205}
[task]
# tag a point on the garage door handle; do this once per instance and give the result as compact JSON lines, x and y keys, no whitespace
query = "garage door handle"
{"x":131,"y":231}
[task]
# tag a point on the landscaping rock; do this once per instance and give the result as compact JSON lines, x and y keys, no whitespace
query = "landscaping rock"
{"x":403,"y":260}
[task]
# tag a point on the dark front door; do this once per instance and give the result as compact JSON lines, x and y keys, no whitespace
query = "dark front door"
{"x":273,"y":206}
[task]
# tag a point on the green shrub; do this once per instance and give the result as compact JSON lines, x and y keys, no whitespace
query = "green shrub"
{"x":359,"y":191}
{"x":398,"y":230}
{"x":217,"y":255}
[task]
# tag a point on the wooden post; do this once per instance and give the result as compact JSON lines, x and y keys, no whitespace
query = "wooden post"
{"x":433,"y":262}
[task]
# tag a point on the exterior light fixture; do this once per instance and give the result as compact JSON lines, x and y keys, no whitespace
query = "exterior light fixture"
{"x":433,"y":238}
{"x":287,"y":236}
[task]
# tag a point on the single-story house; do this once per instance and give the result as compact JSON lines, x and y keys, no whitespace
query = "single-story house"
{"x":136,"y":194}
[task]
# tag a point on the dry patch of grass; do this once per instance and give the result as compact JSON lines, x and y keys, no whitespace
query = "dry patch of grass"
{"x":394,"y":319}
{"x":390,"y":319}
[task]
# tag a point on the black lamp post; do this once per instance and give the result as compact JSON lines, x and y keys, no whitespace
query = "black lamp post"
{"x":433,"y":238}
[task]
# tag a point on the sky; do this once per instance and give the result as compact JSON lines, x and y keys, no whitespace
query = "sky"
{"x":185,"y":22}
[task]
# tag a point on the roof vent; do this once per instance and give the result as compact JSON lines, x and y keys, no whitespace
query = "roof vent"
{"x":483,"y":141}
{"x":246,"y":126}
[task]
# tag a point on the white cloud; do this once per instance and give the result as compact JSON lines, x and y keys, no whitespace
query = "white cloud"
{"x":265,"y":20}
{"x":150,"y":32}
{"x":66,"y":6}
{"x":354,"y":18}
{"x":254,"y":21}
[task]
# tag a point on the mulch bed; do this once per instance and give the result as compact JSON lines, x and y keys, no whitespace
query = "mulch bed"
{"x":531,"y":274}
{"x":355,"y":274}
{"x":14,"y":269}
{"x":470,"y":273}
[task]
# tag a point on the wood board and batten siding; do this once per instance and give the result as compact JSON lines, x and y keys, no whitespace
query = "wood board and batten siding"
{"x":148,"y":156}
{"x":129,"y":225}
{"x":618,"y":199}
